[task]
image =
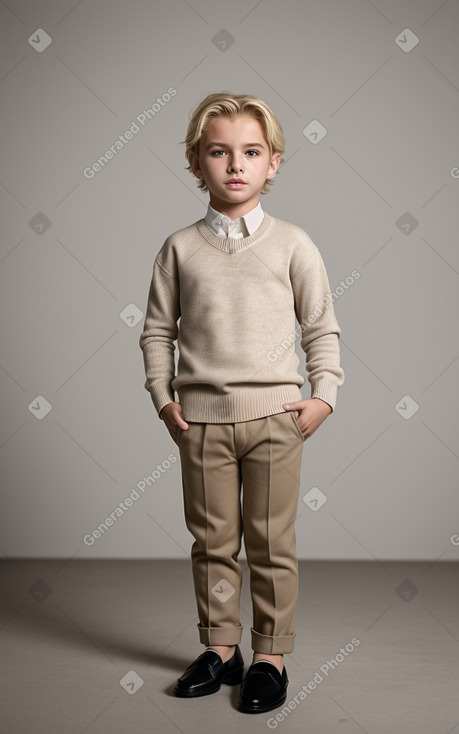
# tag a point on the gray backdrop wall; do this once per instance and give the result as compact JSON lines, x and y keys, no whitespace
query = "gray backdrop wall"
{"x":368,"y":94}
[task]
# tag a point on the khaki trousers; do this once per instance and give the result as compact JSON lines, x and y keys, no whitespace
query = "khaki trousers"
{"x":264,"y":457}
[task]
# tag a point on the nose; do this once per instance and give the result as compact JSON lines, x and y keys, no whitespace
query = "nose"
{"x":235,"y":164}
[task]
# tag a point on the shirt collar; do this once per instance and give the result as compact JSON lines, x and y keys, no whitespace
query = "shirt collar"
{"x":252,"y":219}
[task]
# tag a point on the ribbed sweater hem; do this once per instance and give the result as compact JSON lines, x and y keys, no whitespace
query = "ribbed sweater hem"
{"x":244,"y":404}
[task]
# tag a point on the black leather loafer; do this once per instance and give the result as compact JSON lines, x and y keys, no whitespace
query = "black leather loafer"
{"x":263,"y":688}
{"x":206,"y":674}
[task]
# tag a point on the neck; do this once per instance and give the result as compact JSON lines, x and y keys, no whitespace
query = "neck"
{"x":233,"y":211}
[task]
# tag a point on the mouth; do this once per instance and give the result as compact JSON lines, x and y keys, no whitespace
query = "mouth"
{"x":235,"y":183}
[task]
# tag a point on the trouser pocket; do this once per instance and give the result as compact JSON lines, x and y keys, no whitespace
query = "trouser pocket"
{"x":294,"y":415}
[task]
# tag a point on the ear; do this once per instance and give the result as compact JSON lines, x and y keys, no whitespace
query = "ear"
{"x":194,"y":163}
{"x":273,"y":165}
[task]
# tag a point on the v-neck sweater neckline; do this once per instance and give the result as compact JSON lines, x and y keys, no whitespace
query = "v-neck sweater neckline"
{"x":233,"y":245}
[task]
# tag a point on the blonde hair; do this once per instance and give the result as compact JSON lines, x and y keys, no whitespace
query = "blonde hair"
{"x":225,"y":104}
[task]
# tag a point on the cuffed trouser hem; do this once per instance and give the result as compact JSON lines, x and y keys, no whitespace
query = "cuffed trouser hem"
{"x":220,"y":635}
{"x":272,"y":645}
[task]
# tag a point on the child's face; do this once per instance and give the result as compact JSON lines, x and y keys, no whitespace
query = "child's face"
{"x":230,"y":150}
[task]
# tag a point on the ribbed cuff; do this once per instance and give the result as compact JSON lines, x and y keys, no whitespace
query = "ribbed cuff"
{"x":325,"y":390}
{"x":160,"y":396}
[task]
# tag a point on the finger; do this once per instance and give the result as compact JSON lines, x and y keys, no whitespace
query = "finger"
{"x":179,"y":421}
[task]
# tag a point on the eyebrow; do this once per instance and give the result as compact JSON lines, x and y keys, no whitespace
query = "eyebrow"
{"x":246,"y":145}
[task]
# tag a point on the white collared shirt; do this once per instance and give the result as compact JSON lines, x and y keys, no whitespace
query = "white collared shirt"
{"x":244,"y":226}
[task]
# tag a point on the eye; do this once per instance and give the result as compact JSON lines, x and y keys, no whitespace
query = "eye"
{"x":216,"y":153}
{"x":252,"y":151}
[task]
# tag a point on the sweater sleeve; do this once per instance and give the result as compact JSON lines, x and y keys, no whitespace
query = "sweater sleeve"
{"x":319,"y":329}
{"x":159,"y":334}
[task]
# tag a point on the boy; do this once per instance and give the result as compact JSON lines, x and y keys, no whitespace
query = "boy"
{"x":236,"y":279}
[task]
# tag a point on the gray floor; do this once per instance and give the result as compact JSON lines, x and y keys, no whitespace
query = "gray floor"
{"x":71,"y":631}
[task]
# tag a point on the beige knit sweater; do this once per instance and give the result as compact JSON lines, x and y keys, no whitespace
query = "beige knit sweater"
{"x":231,"y":305}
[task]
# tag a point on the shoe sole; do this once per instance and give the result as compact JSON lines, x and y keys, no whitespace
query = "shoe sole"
{"x":254,"y":709}
{"x":230,"y":679}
